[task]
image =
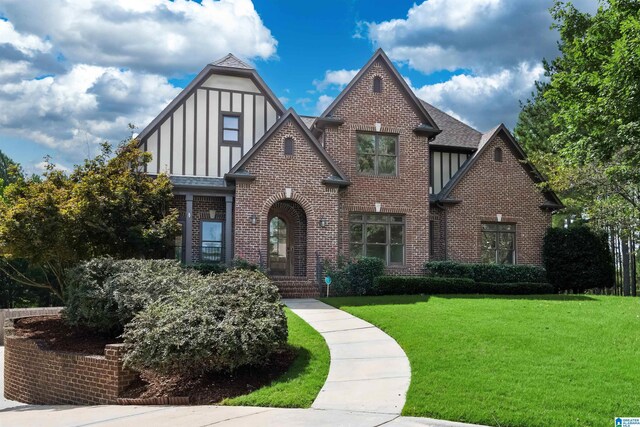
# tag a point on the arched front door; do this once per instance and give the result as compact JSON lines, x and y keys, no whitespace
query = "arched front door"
{"x":279,"y":260}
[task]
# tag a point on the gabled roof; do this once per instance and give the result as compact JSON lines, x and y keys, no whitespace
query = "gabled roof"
{"x":229,"y":65}
{"x":379,"y":54}
{"x":455,"y":133}
{"x":553,"y":202}
{"x":337,"y":178}
{"x":231,"y":61}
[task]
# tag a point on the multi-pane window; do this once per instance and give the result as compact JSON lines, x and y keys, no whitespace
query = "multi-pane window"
{"x":498,"y":243}
{"x":179,"y":244}
{"x":377,"y":154}
{"x":378,"y":235}
{"x":230,"y":128}
{"x":211,"y":242}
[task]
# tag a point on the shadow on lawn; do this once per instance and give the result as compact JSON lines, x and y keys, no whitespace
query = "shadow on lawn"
{"x":416,"y":299}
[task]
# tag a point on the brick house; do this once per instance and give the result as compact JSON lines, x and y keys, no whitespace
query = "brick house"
{"x":379,"y":173}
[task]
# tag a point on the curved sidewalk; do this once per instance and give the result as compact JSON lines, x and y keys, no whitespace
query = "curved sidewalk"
{"x":369,"y":371}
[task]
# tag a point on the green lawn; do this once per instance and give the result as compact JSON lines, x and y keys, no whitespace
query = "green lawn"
{"x":514,"y":361}
{"x":300,"y":385}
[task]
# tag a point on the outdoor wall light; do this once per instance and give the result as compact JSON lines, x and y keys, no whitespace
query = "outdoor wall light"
{"x":287,"y":192}
{"x":378,"y":127}
{"x":253,"y":218}
{"x":323,"y":222}
{"x":499,"y":217}
{"x":378,"y":206}
{"x":212,"y":214}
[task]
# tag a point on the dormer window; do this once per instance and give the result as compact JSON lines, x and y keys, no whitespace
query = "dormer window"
{"x":377,"y":84}
{"x":231,"y":128}
{"x":497,"y":154}
{"x":288,"y":146}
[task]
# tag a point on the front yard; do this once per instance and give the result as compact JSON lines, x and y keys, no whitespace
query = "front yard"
{"x":514,"y":361}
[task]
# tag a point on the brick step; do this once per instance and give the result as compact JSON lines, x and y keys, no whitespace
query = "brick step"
{"x":295,"y":287}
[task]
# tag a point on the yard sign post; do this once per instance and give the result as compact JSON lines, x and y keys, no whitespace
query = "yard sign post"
{"x":327,"y":280}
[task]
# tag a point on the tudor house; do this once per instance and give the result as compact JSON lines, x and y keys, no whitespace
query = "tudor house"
{"x":380,"y":173}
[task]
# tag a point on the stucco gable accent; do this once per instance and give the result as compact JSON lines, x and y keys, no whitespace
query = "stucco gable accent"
{"x":553,"y":202}
{"x":337,"y":177}
{"x":199,"y":80}
{"x":380,"y":55}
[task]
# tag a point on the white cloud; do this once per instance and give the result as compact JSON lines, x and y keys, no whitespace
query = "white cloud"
{"x":85,"y":106}
{"x":323,"y":102}
{"x":157,"y":36}
{"x":487,"y":100}
{"x":26,"y":43}
{"x":477,"y":35}
{"x":42,"y":167}
{"x":74,"y":73}
{"x":338,"y":78}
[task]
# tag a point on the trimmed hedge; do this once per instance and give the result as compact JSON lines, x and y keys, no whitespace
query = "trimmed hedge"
{"x":487,"y":273}
{"x":220,"y":323}
{"x":408,"y":285}
{"x":354,"y":277}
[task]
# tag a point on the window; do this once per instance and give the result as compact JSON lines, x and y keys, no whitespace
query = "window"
{"x":377,"y":154}
{"x":377,"y":84}
{"x":211,"y":242}
{"x":288,"y":146}
{"x":498,"y":243}
{"x":497,"y":154}
{"x":230,"y":128}
{"x":377,"y":235}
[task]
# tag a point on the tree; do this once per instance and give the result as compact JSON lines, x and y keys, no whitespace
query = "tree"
{"x":106,"y":206}
{"x":582,"y":126}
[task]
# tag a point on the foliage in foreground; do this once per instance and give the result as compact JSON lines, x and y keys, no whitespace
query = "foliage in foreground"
{"x":355,"y":276}
{"x":300,"y":385}
{"x":106,"y":206}
{"x":578,"y":258}
{"x":535,"y":361}
{"x":488,"y":273}
{"x":104,"y":294}
{"x":218,"y":323}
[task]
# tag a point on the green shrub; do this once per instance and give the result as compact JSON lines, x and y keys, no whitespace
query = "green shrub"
{"x":448,"y":269}
{"x":220,"y":323}
{"x":578,"y":258}
{"x":243,"y":264}
{"x":104,"y":294}
{"x":489,"y":273}
{"x":354,"y":277}
{"x":206,"y":268}
{"x":408,"y":285}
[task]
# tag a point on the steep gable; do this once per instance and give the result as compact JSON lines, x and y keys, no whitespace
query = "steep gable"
{"x":426,"y":126}
{"x":188,"y":138}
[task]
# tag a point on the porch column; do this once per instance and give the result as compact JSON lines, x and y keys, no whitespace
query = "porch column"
{"x":228,"y":230}
{"x":188,"y":230}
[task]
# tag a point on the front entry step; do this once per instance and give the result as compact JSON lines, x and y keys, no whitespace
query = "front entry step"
{"x":296,"y":287}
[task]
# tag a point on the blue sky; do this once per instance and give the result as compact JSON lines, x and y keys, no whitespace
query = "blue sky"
{"x":76,"y":72}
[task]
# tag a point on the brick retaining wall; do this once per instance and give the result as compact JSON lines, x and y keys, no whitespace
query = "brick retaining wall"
{"x":10,"y":313}
{"x":36,"y":375}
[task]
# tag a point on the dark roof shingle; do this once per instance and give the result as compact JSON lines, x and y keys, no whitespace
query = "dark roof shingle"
{"x":454,"y":132}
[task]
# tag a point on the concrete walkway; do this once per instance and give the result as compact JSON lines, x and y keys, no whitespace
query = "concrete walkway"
{"x":369,"y":371}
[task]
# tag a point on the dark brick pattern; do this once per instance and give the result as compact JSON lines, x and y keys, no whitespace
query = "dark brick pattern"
{"x":35,"y":375}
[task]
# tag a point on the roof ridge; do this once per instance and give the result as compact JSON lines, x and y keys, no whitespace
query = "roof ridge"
{"x":231,"y":61}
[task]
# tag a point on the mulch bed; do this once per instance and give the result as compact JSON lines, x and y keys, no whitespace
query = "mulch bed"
{"x":61,"y":337}
{"x":204,"y":389}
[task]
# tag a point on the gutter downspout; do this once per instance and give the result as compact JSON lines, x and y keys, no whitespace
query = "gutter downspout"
{"x":446,"y":226}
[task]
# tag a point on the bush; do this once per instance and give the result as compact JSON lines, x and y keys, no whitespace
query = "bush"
{"x":489,"y":273}
{"x":354,"y":277}
{"x":206,"y":268}
{"x":223,"y":322}
{"x":578,"y":258}
{"x":105,"y":294}
{"x":408,"y":285}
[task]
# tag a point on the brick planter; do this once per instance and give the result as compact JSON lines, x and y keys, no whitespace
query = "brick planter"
{"x":33,"y":374}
